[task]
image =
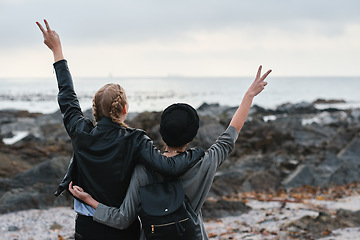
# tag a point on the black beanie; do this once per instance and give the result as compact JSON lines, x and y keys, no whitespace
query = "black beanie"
{"x":179,"y":124}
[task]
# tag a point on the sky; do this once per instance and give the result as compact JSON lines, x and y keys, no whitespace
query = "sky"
{"x":192,"y":38}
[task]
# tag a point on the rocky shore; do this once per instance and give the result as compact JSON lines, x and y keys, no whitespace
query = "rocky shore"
{"x":285,"y":155}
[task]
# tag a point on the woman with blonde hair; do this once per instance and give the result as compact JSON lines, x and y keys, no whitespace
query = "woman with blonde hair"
{"x":105,"y":153}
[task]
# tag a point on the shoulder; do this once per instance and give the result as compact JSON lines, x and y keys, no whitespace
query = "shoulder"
{"x":203,"y":166}
{"x":83,"y":124}
{"x":136,"y":132}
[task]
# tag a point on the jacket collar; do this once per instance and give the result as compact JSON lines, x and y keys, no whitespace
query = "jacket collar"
{"x":106,"y":121}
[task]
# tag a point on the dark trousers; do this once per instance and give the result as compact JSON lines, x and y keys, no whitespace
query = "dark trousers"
{"x":87,"y":229}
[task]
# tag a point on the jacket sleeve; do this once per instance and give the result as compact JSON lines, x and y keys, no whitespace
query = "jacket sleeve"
{"x":223,"y":146}
{"x":67,"y":99}
{"x":123,"y":216}
{"x":69,"y":176}
{"x":151,"y":157}
{"x":198,"y":182}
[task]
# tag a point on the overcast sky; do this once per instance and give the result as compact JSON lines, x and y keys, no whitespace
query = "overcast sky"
{"x":187,"y":38}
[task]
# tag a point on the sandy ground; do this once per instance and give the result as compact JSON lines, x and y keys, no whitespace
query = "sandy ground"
{"x":262,"y":222}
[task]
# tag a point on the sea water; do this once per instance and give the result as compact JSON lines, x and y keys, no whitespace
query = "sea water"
{"x":154,"y":94}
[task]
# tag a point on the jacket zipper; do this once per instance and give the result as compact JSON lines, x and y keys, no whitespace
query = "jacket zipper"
{"x":166,"y":224}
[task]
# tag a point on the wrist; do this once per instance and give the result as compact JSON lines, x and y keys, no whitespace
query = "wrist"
{"x":58,"y":54}
{"x":249,"y":95}
{"x":92,"y":202}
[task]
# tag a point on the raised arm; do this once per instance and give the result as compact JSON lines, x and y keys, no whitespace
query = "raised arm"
{"x":52,"y":40}
{"x":256,"y":87}
{"x":67,"y":99}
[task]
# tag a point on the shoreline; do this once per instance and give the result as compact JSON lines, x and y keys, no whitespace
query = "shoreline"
{"x":46,"y":107}
{"x":140,"y":101}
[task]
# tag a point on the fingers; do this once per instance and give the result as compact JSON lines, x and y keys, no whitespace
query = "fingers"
{"x":71,"y":189}
{"x":47,"y":25}
{"x":48,"y":29}
{"x":41,"y":28}
{"x":259,"y":72}
{"x":74,"y":188}
{"x":78,"y":188}
{"x":266,"y":74}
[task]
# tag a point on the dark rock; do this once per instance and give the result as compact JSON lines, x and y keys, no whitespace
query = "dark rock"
{"x":213,"y":209}
{"x":34,"y":188}
{"x":208,"y":133}
{"x":13,"y":229}
{"x":297,"y":108}
{"x":46,"y":172}
{"x":313,"y":135}
{"x":316,"y":227}
{"x":55,"y":226}
{"x":355,"y":114}
{"x":329,"y":101}
{"x":255,"y":109}
{"x":303,"y":175}
{"x":343,"y":136}
{"x":261,"y":181}
{"x":346,"y":173}
{"x":351,"y":152}
{"x":227,"y":182}
{"x":349,"y":169}
{"x":290,"y":165}
{"x":216,"y":111}
{"x":206,"y":106}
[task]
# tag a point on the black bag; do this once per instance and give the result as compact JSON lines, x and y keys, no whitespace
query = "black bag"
{"x":166,"y":212}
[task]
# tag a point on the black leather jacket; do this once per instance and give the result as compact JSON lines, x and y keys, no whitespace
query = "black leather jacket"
{"x":105,"y":155}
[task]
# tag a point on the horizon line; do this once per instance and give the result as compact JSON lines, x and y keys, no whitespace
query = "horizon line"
{"x":175,"y":76}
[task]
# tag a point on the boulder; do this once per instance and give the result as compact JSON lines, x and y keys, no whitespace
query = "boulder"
{"x":297,"y":108}
{"x":316,"y":227}
{"x":35,"y":187}
{"x":303,"y":175}
{"x":213,"y":209}
{"x":261,"y":181}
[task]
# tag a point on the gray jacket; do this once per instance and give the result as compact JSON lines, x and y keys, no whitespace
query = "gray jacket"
{"x":196,"y":182}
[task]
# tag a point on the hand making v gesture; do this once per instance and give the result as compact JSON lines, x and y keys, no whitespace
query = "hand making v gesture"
{"x":256,"y":87}
{"x":52,"y":40}
{"x":259,"y":83}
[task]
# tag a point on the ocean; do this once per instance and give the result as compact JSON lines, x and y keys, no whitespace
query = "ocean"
{"x":154,"y":94}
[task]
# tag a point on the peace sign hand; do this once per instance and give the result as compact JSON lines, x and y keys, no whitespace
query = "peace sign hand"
{"x":259,"y":83}
{"x":52,"y":40}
